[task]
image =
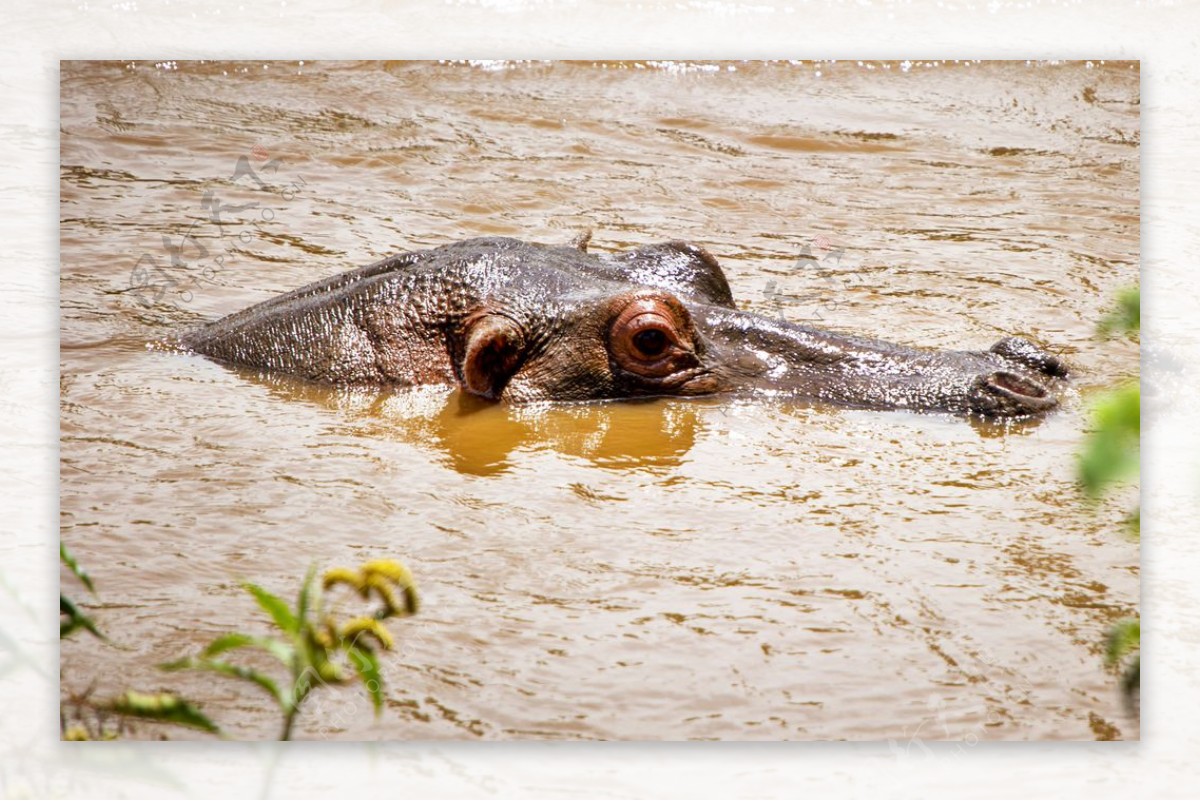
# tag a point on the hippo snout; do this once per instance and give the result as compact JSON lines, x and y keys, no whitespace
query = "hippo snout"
{"x":1024,"y":385}
{"x":1004,"y":393}
{"x":1027,"y":354}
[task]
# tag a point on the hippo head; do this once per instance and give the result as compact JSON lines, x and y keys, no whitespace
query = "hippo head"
{"x":633,"y":343}
{"x":511,"y":321}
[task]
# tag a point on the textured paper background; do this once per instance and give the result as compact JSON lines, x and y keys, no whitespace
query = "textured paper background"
{"x":1162,"y":35}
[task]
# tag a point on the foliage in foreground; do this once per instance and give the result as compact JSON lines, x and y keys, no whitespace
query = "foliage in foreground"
{"x":1127,"y":317}
{"x":92,"y":720}
{"x":1110,"y":455}
{"x":315,"y":647}
{"x":71,"y":619}
{"x":1111,"y":452}
{"x":1124,"y":638}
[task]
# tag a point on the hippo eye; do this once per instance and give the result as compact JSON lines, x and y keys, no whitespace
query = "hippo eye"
{"x":650,"y":342}
{"x":646,"y":339}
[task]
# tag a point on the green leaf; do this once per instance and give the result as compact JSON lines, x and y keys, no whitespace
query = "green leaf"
{"x":228,"y":642}
{"x":1111,"y":451}
{"x":1121,"y":410}
{"x":1127,"y":318}
{"x":75,"y":620}
{"x":233,"y":671}
{"x":1124,"y":637}
{"x":274,"y":606}
{"x":166,"y":707}
{"x":1134,"y":523}
{"x":1131,"y":679}
{"x":366,"y":664}
{"x":304,"y":600}
{"x":67,"y":559}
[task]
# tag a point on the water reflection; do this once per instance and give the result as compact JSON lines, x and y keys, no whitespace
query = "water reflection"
{"x":991,"y":429}
{"x":480,"y":438}
{"x":476,"y":437}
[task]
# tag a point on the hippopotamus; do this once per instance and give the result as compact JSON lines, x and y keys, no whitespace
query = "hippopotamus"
{"x":517,"y":322}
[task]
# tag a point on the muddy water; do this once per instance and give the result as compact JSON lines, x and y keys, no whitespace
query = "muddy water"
{"x":706,"y":569}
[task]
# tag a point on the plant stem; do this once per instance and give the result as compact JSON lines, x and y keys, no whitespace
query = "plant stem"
{"x":290,"y":716}
{"x":287,"y":723}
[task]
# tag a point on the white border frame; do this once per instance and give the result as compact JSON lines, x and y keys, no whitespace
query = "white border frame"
{"x":34,"y":763}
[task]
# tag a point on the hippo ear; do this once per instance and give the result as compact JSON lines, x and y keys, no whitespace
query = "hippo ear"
{"x":494,"y":348}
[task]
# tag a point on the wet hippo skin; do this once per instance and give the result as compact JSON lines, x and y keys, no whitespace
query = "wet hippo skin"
{"x":517,"y":322}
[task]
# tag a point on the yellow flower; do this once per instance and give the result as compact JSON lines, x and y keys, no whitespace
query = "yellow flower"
{"x":353,"y":629}
{"x":76,"y":733}
{"x":383,"y":577}
{"x":330,"y":672}
{"x":387,"y":596}
{"x":390,"y":570}
{"x":398,"y":575}
{"x":341,"y":575}
{"x":326,"y":636}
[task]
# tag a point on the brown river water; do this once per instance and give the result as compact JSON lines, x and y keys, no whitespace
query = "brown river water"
{"x":708,"y":569}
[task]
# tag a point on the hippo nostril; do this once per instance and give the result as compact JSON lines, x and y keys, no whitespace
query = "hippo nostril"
{"x":1024,"y":352}
{"x":1006,"y":394}
{"x":1014,"y":384}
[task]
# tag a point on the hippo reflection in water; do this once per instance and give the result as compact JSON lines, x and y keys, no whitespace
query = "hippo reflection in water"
{"x":512,"y":321}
